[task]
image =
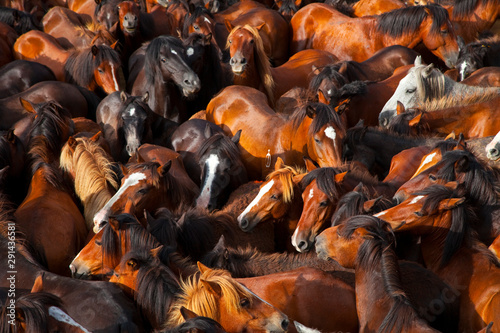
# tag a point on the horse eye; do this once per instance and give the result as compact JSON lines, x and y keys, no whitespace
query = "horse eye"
{"x":432,"y":177}
{"x":323,"y":203}
{"x":196,"y":27}
{"x":274,"y":197}
{"x":100,"y":70}
{"x":411,"y":91}
{"x":316,"y":140}
{"x":97,"y":242}
{"x":164,"y":60}
{"x":132,"y":264}
{"x":244,"y":302}
{"x":142,"y":191}
{"x":419,"y":214}
{"x":444,"y":31}
{"x":251,"y":41}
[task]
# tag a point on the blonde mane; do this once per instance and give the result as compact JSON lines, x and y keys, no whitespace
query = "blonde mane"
{"x":437,"y":91}
{"x":285,"y":176}
{"x":261,"y":60}
{"x":95,"y":180}
{"x":195,"y":297}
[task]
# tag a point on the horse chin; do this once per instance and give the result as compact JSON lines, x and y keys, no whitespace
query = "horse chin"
{"x":493,"y":157}
{"x":238,"y":69}
{"x":130,"y":31}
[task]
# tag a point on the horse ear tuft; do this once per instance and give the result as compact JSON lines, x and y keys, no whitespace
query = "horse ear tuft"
{"x":260,"y":26}
{"x":418,"y":61}
{"x":228,"y":24}
{"x":11,"y":136}
{"x":211,"y":287}
{"x":416,"y":120}
{"x":27,"y":105}
{"x":72,"y":144}
{"x":450,"y":136}
{"x":221,"y":244}
{"x":96,"y":136}
{"x":187,"y":314}
{"x":203,"y":269}
{"x":400,"y":108}
{"x":163,"y":170}
{"x":448,"y":204}
{"x":156,"y":251}
{"x":369,"y":204}
{"x":145,"y":97}
{"x":279,"y":164}
{"x":339,"y":178}
{"x":310,"y":111}
{"x":123,"y":96}
{"x":358,"y":188}
{"x":310,"y":166}
{"x":208,"y":131}
{"x":236,"y":137}
{"x":428,"y":70}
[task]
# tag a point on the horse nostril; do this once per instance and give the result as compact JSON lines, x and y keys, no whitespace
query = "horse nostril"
{"x":232,"y":61}
{"x":493,"y":152}
{"x":244,"y":224}
{"x":385,"y":122}
{"x":303,"y":245}
{"x":210,"y":207}
{"x":243,"y":61}
{"x":284,"y":324}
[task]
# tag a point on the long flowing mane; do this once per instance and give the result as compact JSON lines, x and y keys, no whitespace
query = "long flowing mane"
{"x":408,"y":20}
{"x":95,"y":179}
{"x":285,"y":176}
{"x":437,"y":91}
{"x":80,"y":66}
{"x":195,"y":297}
{"x":323,"y":114}
{"x":325,"y":180}
{"x":463,"y":8}
{"x":261,"y":60}
{"x":376,"y":253}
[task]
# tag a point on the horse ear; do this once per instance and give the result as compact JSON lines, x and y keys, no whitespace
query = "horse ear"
{"x":343,"y":68}
{"x":148,"y":217}
{"x":450,"y":136}
{"x":416,"y":120}
{"x":400,"y":108}
{"x":95,"y":50}
{"x":428,"y":70}
{"x":163,"y":170}
{"x":260,"y":26}
{"x":115,"y":46}
{"x":211,"y":287}
{"x":359,"y":187}
{"x":221,"y":244}
{"x":310,"y":166}
{"x":229,"y":25}
{"x":145,"y":97}
{"x":124,"y":170}
{"x":208,"y":131}
{"x":38,"y":285}
{"x":72,"y":144}
{"x":236,"y":137}
{"x":448,"y":204}
{"x":156,"y":251}
{"x":315,"y":70}
{"x":461,"y":43}
{"x":310,"y":111}
{"x":27,"y":105}
{"x":462,"y":165}
{"x":207,"y":39}
{"x":298,"y":3}
{"x":339,"y":178}
{"x":187,"y":314}
{"x":113,"y":223}
{"x":96,"y":136}
{"x":202,"y":268}
{"x":97,"y":1}
{"x":418,"y":61}
{"x":279,"y":164}
{"x":368,"y":205}
{"x":360,"y":124}
{"x":451,"y":185}
{"x":10,"y":136}
{"x":123,"y":96}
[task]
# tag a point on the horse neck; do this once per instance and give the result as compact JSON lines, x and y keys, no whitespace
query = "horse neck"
{"x":481,"y":19}
{"x":250,"y":78}
{"x":295,"y":139}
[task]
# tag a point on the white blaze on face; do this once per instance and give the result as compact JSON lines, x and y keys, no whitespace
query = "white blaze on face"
{"x":63,"y":317}
{"x":331,"y":134}
{"x":102,"y":215}
{"x":428,"y":159}
{"x":207,"y":20}
{"x":255,"y":201}
{"x":189,"y":51}
{"x":311,"y":193}
{"x":131,"y":112}
{"x":115,"y":81}
{"x":380,"y":214}
{"x":416,"y":199}
{"x":173,"y":51}
{"x":211,"y":164}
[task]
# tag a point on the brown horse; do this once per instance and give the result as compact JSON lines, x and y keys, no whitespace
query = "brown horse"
{"x":97,"y":67}
{"x":321,"y":27}
{"x":305,"y":133}
{"x":252,"y":68}
{"x":449,"y":249}
{"x":366,"y":244}
{"x":375,"y":7}
{"x":48,"y":215}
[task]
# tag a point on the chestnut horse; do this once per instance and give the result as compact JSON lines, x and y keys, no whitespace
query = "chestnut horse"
{"x":319,"y":26}
{"x":251,"y":67}
{"x":366,"y":244}
{"x":449,"y":249}
{"x":307,"y":132}
{"x":97,"y":67}
{"x":48,"y":215}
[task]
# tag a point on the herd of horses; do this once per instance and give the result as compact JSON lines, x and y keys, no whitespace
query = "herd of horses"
{"x":249,"y":166}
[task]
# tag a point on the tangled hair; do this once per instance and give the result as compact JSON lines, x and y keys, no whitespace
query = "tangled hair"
{"x":285,"y":176}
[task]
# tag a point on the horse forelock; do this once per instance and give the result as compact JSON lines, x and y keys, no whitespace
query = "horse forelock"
{"x":285,"y":176}
{"x":325,"y":181}
{"x":219,"y":143}
{"x":324,"y":115}
{"x":191,"y":18}
{"x":329,"y":72}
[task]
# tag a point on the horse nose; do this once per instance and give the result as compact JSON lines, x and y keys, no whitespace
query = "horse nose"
{"x":72,"y":268}
{"x":243,"y":61}
{"x":232,"y":61}
{"x":284,"y":324}
{"x":244,"y":224}
{"x":302,"y":246}
{"x":493,"y":152}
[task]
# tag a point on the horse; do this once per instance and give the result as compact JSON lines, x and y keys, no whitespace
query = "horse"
{"x":211,"y":159}
{"x":443,"y":220}
{"x":251,"y":67}
{"x":478,"y":54}
{"x":277,"y":201}
{"x":377,"y":7}
{"x":234,"y":306}
{"x":12,"y":156}
{"x":19,"y":75}
{"x":307,"y":132}
{"x":91,"y":170}
{"x":194,"y":322}
{"x":166,"y":77}
{"x":71,"y":30}
{"x":424,"y":85}
{"x":97,"y":67}
{"x":39,"y":312}
{"x":493,"y":148}
{"x":21,"y":21}
{"x":321,"y":27}
{"x":7,"y":39}
{"x":127,"y":122}
{"x":56,"y":240}
{"x":366,"y":244}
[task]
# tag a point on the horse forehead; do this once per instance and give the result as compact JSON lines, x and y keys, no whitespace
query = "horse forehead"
{"x":133,"y":179}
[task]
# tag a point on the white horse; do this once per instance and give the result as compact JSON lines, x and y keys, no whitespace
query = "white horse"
{"x":427,"y":88}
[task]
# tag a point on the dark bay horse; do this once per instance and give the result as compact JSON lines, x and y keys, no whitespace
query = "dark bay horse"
{"x":478,"y":54}
{"x":308,"y":132}
{"x":19,"y":75}
{"x":321,"y":27}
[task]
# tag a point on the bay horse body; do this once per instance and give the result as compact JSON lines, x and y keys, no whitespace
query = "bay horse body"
{"x":290,"y":138}
{"x":321,"y":27}
{"x":19,"y":75}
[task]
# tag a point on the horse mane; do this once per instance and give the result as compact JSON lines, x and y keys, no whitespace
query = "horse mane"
{"x":79,"y":68}
{"x":324,"y":114}
{"x":164,"y":227}
{"x":378,"y":252}
{"x":408,"y":20}
{"x":285,"y":176}
{"x":95,"y":179}
{"x":241,"y":197}
{"x":328,"y":72}
{"x":155,"y":286}
{"x":434,"y":91}
{"x":219,"y":142}
{"x":198,"y":324}
{"x":34,"y":310}
{"x":463,"y":8}
{"x":194,"y":295}
{"x":152,"y":71}
{"x":180,"y":196}
{"x":261,"y":60}
{"x":22,"y":24}
{"x":325,"y":180}
{"x":478,"y":180}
